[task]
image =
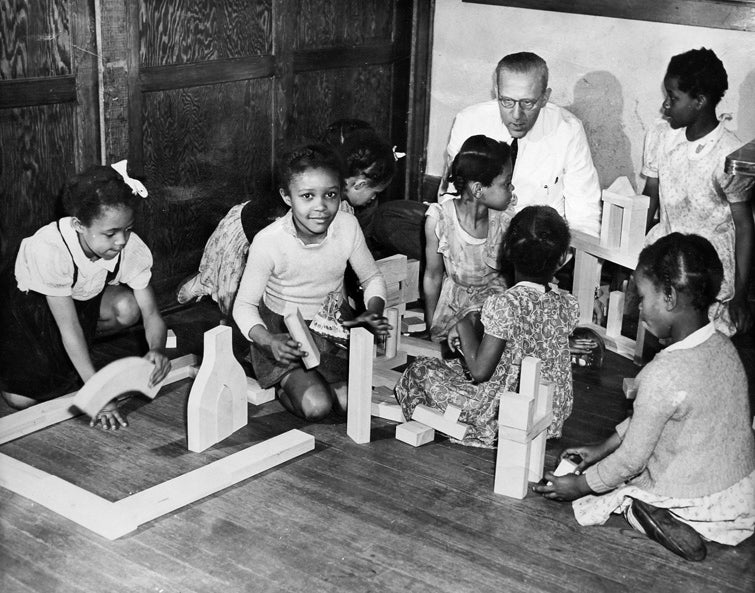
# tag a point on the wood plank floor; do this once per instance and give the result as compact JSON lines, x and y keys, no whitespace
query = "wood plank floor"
{"x":345,"y":517}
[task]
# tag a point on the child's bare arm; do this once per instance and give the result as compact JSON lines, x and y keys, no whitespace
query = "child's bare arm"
{"x":481,"y":356}
{"x":651,"y":190}
{"x":372,"y":317}
{"x":155,"y":332}
{"x":434,"y":269}
{"x":64,"y":312}
{"x":282,"y":347}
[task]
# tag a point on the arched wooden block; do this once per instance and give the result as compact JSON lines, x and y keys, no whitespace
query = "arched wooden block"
{"x":217,"y":402}
{"x":120,"y":376}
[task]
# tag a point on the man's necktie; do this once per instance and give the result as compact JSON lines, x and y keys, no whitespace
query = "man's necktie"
{"x":514,"y":151}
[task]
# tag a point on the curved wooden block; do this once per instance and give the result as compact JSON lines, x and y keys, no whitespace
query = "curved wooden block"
{"x":120,"y":376}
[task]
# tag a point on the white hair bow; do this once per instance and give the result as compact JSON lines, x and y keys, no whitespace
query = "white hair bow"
{"x":136,"y":186}
{"x":398,"y":155}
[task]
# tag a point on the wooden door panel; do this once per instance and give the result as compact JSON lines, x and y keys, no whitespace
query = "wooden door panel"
{"x":190,"y":31}
{"x":325,"y":23}
{"x":323,"y":96}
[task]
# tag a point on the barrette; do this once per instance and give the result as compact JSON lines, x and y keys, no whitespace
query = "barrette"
{"x":137,"y":187}
{"x":398,"y":155}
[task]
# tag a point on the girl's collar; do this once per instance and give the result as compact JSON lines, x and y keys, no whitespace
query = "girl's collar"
{"x":697,"y":149}
{"x":533,"y":285}
{"x":696,"y":338}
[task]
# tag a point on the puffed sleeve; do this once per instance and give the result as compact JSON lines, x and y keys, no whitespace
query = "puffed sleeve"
{"x":498,"y":315}
{"x":45,"y":266}
{"x":650,"y":150}
{"x":136,"y":264}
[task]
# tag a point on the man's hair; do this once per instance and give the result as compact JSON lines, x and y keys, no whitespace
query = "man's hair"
{"x":523,"y":62}
{"x":699,"y":72}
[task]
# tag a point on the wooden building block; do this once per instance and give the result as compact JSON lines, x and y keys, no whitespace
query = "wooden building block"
{"x":452,"y":413}
{"x":217,"y":405}
{"x":183,"y":367}
{"x":615,"y":313}
{"x":359,"y":409}
{"x":418,"y":347}
{"x":384,"y":405}
{"x":523,"y":421}
{"x":384,"y":377}
{"x":629,"y":388}
{"x":393,"y":268}
{"x":299,"y":331}
{"x":257,"y":396}
{"x":414,"y":433}
{"x":170,"y":340}
{"x":31,"y":419}
{"x":381,"y":362}
{"x":511,"y":471}
{"x":412,"y":323}
{"x":435,"y":419}
{"x":392,"y":339}
{"x":412,"y":282}
{"x":120,"y":376}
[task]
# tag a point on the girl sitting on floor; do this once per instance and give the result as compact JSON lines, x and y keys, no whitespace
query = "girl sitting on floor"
{"x":88,"y":271}
{"x":682,"y":467}
{"x":298,"y":261}
{"x":529,"y":319}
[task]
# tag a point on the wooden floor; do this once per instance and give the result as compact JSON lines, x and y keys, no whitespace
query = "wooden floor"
{"x":354,"y":518}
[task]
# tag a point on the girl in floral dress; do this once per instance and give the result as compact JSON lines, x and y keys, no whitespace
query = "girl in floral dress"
{"x":686,"y":180}
{"x":463,"y":235}
{"x":529,"y":319}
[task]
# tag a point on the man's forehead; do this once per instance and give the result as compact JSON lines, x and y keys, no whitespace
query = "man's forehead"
{"x":529,"y":81}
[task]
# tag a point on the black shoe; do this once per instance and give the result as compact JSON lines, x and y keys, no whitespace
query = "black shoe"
{"x":661,"y":525}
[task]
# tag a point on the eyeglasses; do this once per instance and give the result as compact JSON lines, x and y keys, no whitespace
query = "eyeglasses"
{"x":524,"y":104}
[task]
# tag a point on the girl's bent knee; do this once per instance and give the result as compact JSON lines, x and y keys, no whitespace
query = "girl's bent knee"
{"x":126,"y":310}
{"x":316,"y":405}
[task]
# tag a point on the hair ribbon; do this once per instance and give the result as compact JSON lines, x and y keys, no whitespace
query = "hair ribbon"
{"x":137,"y":187}
{"x":398,"y":155}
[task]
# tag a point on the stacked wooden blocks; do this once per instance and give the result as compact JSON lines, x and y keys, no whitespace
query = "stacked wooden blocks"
{"x":523,"y":419}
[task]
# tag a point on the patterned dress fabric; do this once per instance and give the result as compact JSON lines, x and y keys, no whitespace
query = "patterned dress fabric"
{"x":533,"y":322}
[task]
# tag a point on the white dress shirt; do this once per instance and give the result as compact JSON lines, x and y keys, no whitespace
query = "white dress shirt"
{"x":554,"y":166}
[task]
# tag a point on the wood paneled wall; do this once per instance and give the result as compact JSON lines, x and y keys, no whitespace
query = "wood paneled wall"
{"x":204,"y":92}
{"x":48,"y":123}
{"x":218,"y":88}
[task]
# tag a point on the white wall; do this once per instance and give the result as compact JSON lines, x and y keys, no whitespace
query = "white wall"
{"x":607,"y":71}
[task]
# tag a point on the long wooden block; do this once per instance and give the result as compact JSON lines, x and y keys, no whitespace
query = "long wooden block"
{"x":529,"y":376}
{"x":615,"y":313}
{"x":381,"y":362}
{"x":511,"y":471}
{"x":412,"y":282}
{"x":299,"y":331}
{"x":32,"y":419}
{"x":587,"y":243}
{"x":414,"y":433}
{"x":586,"y":279}
{"x":183,"y":367}
{"x":536,"y":459}
{"x":435,"y":419}
{"x":120,"y":376}
{"x":392,"y":340}
{"x":66,"y":499}
{"x":178,"y":492}
{"x":629,"y":388}
{"x":418,"y":347}
{"x":385,"y":377}
{"x":359,"y":408}
{"x":257,"y":396}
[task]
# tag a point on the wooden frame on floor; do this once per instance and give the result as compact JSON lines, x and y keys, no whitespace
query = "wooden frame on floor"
{"x":112,"y":520}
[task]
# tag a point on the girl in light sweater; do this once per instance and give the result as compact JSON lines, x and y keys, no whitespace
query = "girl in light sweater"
{"x":682,"y":467}
{"x":296,"y":262}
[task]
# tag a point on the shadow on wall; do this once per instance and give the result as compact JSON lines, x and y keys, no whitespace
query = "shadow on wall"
{"x":599,"y":103}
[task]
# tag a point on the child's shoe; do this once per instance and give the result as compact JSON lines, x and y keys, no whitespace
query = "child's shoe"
{"x":190,"y":289}
{"x":660,"y":525}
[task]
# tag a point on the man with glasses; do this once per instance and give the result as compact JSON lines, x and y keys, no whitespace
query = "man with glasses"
{"x":553,"y":165}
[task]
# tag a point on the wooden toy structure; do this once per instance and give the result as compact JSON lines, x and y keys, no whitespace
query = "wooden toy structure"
{"x":112,"y":520}
{"x":523,"y":419}
{"x":218,"y":399}
{"x":622,"y":235}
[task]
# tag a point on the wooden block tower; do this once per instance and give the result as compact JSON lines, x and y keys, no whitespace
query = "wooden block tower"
{"x":523,"y":419}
